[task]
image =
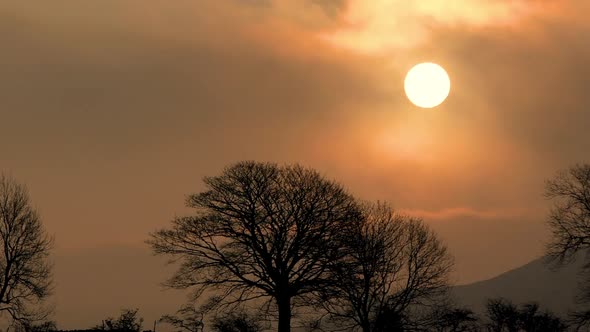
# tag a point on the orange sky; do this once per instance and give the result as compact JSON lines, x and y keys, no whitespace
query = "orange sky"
{"x":113,"y":110}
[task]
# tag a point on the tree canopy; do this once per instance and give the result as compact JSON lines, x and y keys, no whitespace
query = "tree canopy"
{"x":25,"y":269}
{"x":260,"y":230}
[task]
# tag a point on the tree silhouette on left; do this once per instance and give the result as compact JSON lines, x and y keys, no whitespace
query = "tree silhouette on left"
{"x":25,"y":270}
{"x":260,"y":231}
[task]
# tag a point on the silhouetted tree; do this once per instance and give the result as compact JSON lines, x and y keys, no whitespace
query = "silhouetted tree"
{"x":579,"y":320}
{"x":260,"y":230}
{"x":393,"y":262}
{"x":187,"y":319}
{"x":533,"y":320}
{"x":505,"y":316}
{"x":47,"y":326}
{"x":128,"y":321}
{"x":40,"y":326}
{"x":447,"y":318}
{"x":569,"y":222}
{"x":389,"y":319}
{"x":25,"y":271}
{"x":236,"y":322}
{"x":570,"y":217}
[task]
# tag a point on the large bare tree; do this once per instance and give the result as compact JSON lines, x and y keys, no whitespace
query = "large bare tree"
{"x":394,"y":262}
{"x":260,"y":231}
{"x":25,"y":270}
{"x":569,"y":221}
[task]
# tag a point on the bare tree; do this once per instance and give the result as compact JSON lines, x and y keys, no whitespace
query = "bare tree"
{"x":532,"y":319}
{"x":393,"y":262}
{"x":25,"y":271}
{"x":569,"y":219}
{"x":504,"y":316}
{"x":453,"y":319}
{"x":259,"y":231}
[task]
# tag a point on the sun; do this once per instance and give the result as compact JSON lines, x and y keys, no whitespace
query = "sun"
{"x":427,"y":85}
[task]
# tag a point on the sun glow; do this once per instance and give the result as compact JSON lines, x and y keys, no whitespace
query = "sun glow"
{"x":384,"y":26}
{"x":427,"y":85}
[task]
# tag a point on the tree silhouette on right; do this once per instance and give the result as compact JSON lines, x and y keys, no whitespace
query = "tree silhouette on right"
{"x":394,"y":262}
{"x":505,"y":316}
{"x":569,"y":221}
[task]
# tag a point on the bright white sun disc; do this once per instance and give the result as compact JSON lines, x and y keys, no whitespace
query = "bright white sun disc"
{"x":427,"y":85}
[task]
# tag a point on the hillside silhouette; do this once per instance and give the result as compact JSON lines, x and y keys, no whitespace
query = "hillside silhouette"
{"x":534,"y":281}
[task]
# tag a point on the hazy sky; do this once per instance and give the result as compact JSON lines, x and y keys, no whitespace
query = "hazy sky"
{"x":113,"y":110}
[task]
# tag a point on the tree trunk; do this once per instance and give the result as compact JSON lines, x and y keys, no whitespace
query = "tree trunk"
{"x":284,"y":304}
{"x":366,"y":327}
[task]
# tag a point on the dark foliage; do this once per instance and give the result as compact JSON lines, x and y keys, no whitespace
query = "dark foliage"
{"x":504,"y":316}
{"x":389,"y":320}
{"x":128,"y":321}
{"x":236,"y":322}
{"x":41,"y":326}
{"x":447,"y":318}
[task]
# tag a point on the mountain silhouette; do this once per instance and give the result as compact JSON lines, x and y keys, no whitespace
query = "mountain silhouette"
{"x":553,"y":289}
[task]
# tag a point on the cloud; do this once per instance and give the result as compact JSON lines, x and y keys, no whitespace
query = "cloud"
{"x":468,"y":212}
{"x":153,"y":96}
{"x":382,"y":26}
{"x":112,"y":113}
{"x":178,"y":83}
